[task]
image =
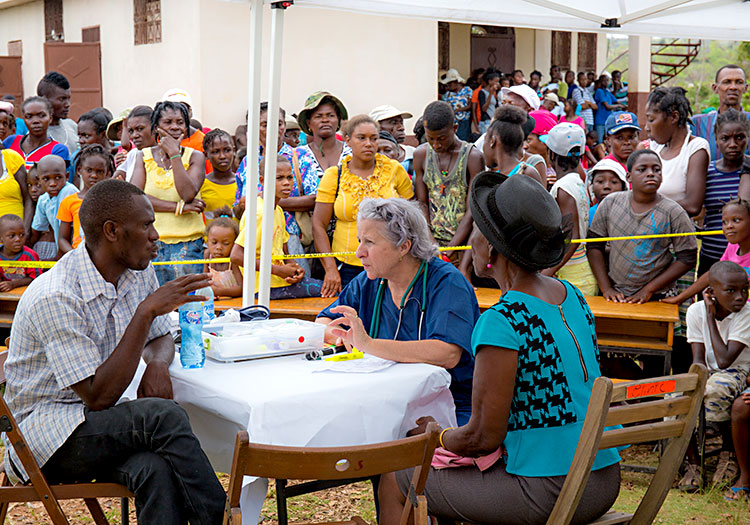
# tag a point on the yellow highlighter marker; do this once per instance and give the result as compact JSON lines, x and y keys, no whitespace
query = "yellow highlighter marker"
{"x":356,"y":354}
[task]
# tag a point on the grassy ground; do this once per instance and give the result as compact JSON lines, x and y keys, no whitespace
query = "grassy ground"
{"x":344,"y":502}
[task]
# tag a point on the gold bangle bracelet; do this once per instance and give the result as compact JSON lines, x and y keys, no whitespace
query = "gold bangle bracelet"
{"x":180,"y":206}
{"x":442,"y":433}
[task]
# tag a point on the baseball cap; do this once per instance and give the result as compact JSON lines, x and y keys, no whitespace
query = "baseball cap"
{"x":609,"y":165}
{"x":6,"y":106}
{"x":525,"y":92}
{"x":544,"y":121}
{"x":553,"y":97}
{"x":566,"y":139}
{"x":620,"y":120}
{"x":177,"y":95}
{"x":385,"y":112}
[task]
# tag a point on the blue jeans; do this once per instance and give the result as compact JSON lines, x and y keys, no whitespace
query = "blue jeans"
{"x":307,"y":287}
{"x":181,"y":251}
{"x":148,"y":446}
{"x":464,"y":129}
{"x":294,"y":246}
{"x":599,"y":132}
{"x":347,"y":272}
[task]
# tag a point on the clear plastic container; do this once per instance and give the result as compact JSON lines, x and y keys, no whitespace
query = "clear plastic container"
{"x":256,"y":339}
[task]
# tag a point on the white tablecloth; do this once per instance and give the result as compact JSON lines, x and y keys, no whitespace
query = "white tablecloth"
{"x":284,"y":401}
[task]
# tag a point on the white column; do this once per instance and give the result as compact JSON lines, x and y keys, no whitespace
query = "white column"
{"x":639,"y":75}
{"x":573,"y":53}
{"x":272,"y":139}
{"x":542,"y":54}
{"x":251,"y":173}
{"x":639,"y":64}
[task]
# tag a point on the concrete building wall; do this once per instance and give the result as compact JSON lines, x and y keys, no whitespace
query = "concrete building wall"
{"x":460,"y":48}
{"x":526,"y":50}
{"x":25,"y":22}
{"x":131,"y":74}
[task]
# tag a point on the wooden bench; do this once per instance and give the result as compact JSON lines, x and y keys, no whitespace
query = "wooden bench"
{"x":620,"y":327}
{"x":8,"y":305}
{"x":644,"y":329}
{"x":306,"y":309}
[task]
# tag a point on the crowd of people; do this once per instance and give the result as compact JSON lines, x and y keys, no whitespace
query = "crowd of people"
{"x":515,"y":169}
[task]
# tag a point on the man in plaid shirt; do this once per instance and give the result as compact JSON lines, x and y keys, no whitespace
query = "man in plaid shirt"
{"x":78,"y":336}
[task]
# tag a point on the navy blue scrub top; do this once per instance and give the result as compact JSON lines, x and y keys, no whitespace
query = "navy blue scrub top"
{"x":450,"y":316}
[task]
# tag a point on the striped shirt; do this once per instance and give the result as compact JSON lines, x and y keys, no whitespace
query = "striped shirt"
{"x":704,"y":127}
{"x":67,"y":324}
{"x":721,"y":187}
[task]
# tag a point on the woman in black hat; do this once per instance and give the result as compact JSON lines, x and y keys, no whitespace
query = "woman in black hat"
{"x":536,"y":361}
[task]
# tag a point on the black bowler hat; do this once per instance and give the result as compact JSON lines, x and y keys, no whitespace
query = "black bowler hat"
{"x":519,"y":218}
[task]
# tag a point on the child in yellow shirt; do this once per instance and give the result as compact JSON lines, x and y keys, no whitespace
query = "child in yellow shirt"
{"x":288,"y":280}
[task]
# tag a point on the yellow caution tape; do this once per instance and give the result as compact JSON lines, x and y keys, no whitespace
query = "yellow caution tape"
{"x":654,"y":236}
{"x":50,"y":264}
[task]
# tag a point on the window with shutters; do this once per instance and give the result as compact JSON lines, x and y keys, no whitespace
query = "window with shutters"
{"x":147,"y":21}
{"x":90,"y":34}
{"x":587,"y":51}
{"x":561,"y":49}
{"x":53,"y":20}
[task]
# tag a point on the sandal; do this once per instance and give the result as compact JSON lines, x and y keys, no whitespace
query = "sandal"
{"x":727,"y":469}
{"x":737,"y":494}
{"x":692,"y":480}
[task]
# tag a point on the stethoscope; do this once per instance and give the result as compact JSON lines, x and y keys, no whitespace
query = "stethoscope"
{"x":375,"y":323}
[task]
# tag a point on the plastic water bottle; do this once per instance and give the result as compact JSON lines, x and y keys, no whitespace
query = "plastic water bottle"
{"x":192,"y":353}
{"x":208,"y":306}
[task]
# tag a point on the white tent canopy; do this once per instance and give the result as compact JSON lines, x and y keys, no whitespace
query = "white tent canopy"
{"x":698,"y":19}
{"x":705,"y":19}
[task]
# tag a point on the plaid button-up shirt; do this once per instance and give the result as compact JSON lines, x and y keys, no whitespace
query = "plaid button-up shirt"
{"x":67,"y":324}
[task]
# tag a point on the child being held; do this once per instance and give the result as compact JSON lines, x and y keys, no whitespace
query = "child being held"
{"x":53,"y":175}
{"x":220,"y":237}
{"x":718,"y":330}
{"x":94,"y":164}
{"x":644,"y":269}
{"x":13,"y":236}
{"x":288,"y":280}
{"x":604,"y":178}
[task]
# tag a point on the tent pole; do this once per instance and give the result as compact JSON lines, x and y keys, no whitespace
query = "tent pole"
{"x":251,"y":172}
{"x":654,"y":9}
{"x":272,"y":145}
{"x":549,"y":4}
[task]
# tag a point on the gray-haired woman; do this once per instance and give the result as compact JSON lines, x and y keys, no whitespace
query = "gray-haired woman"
{"x":408,"y":305}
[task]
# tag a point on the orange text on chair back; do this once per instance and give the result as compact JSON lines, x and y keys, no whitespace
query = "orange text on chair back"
{"x":651,"y":389}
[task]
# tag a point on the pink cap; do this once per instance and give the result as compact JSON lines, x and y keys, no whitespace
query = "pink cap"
{"x":544,"y":121}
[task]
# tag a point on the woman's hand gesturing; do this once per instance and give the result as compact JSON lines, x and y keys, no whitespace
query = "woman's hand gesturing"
{"x":356,"y":335}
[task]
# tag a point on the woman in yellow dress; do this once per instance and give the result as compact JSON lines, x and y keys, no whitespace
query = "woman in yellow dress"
{"x":363,"y":174}
{"x":172,"y":177}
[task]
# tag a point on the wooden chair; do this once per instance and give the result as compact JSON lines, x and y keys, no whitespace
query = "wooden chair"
{"x":333,"y":464}
{"x":645,"y":422}
{"x":38,"y":489}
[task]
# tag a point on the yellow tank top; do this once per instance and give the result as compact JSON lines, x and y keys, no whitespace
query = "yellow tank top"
{"x":218,"y":195}
{"x":172,"y":228}
{"x":11,"y":199}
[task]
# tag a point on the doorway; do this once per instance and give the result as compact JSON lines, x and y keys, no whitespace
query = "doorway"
{"x":81,"y":63}
{"x":493,"y":46}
